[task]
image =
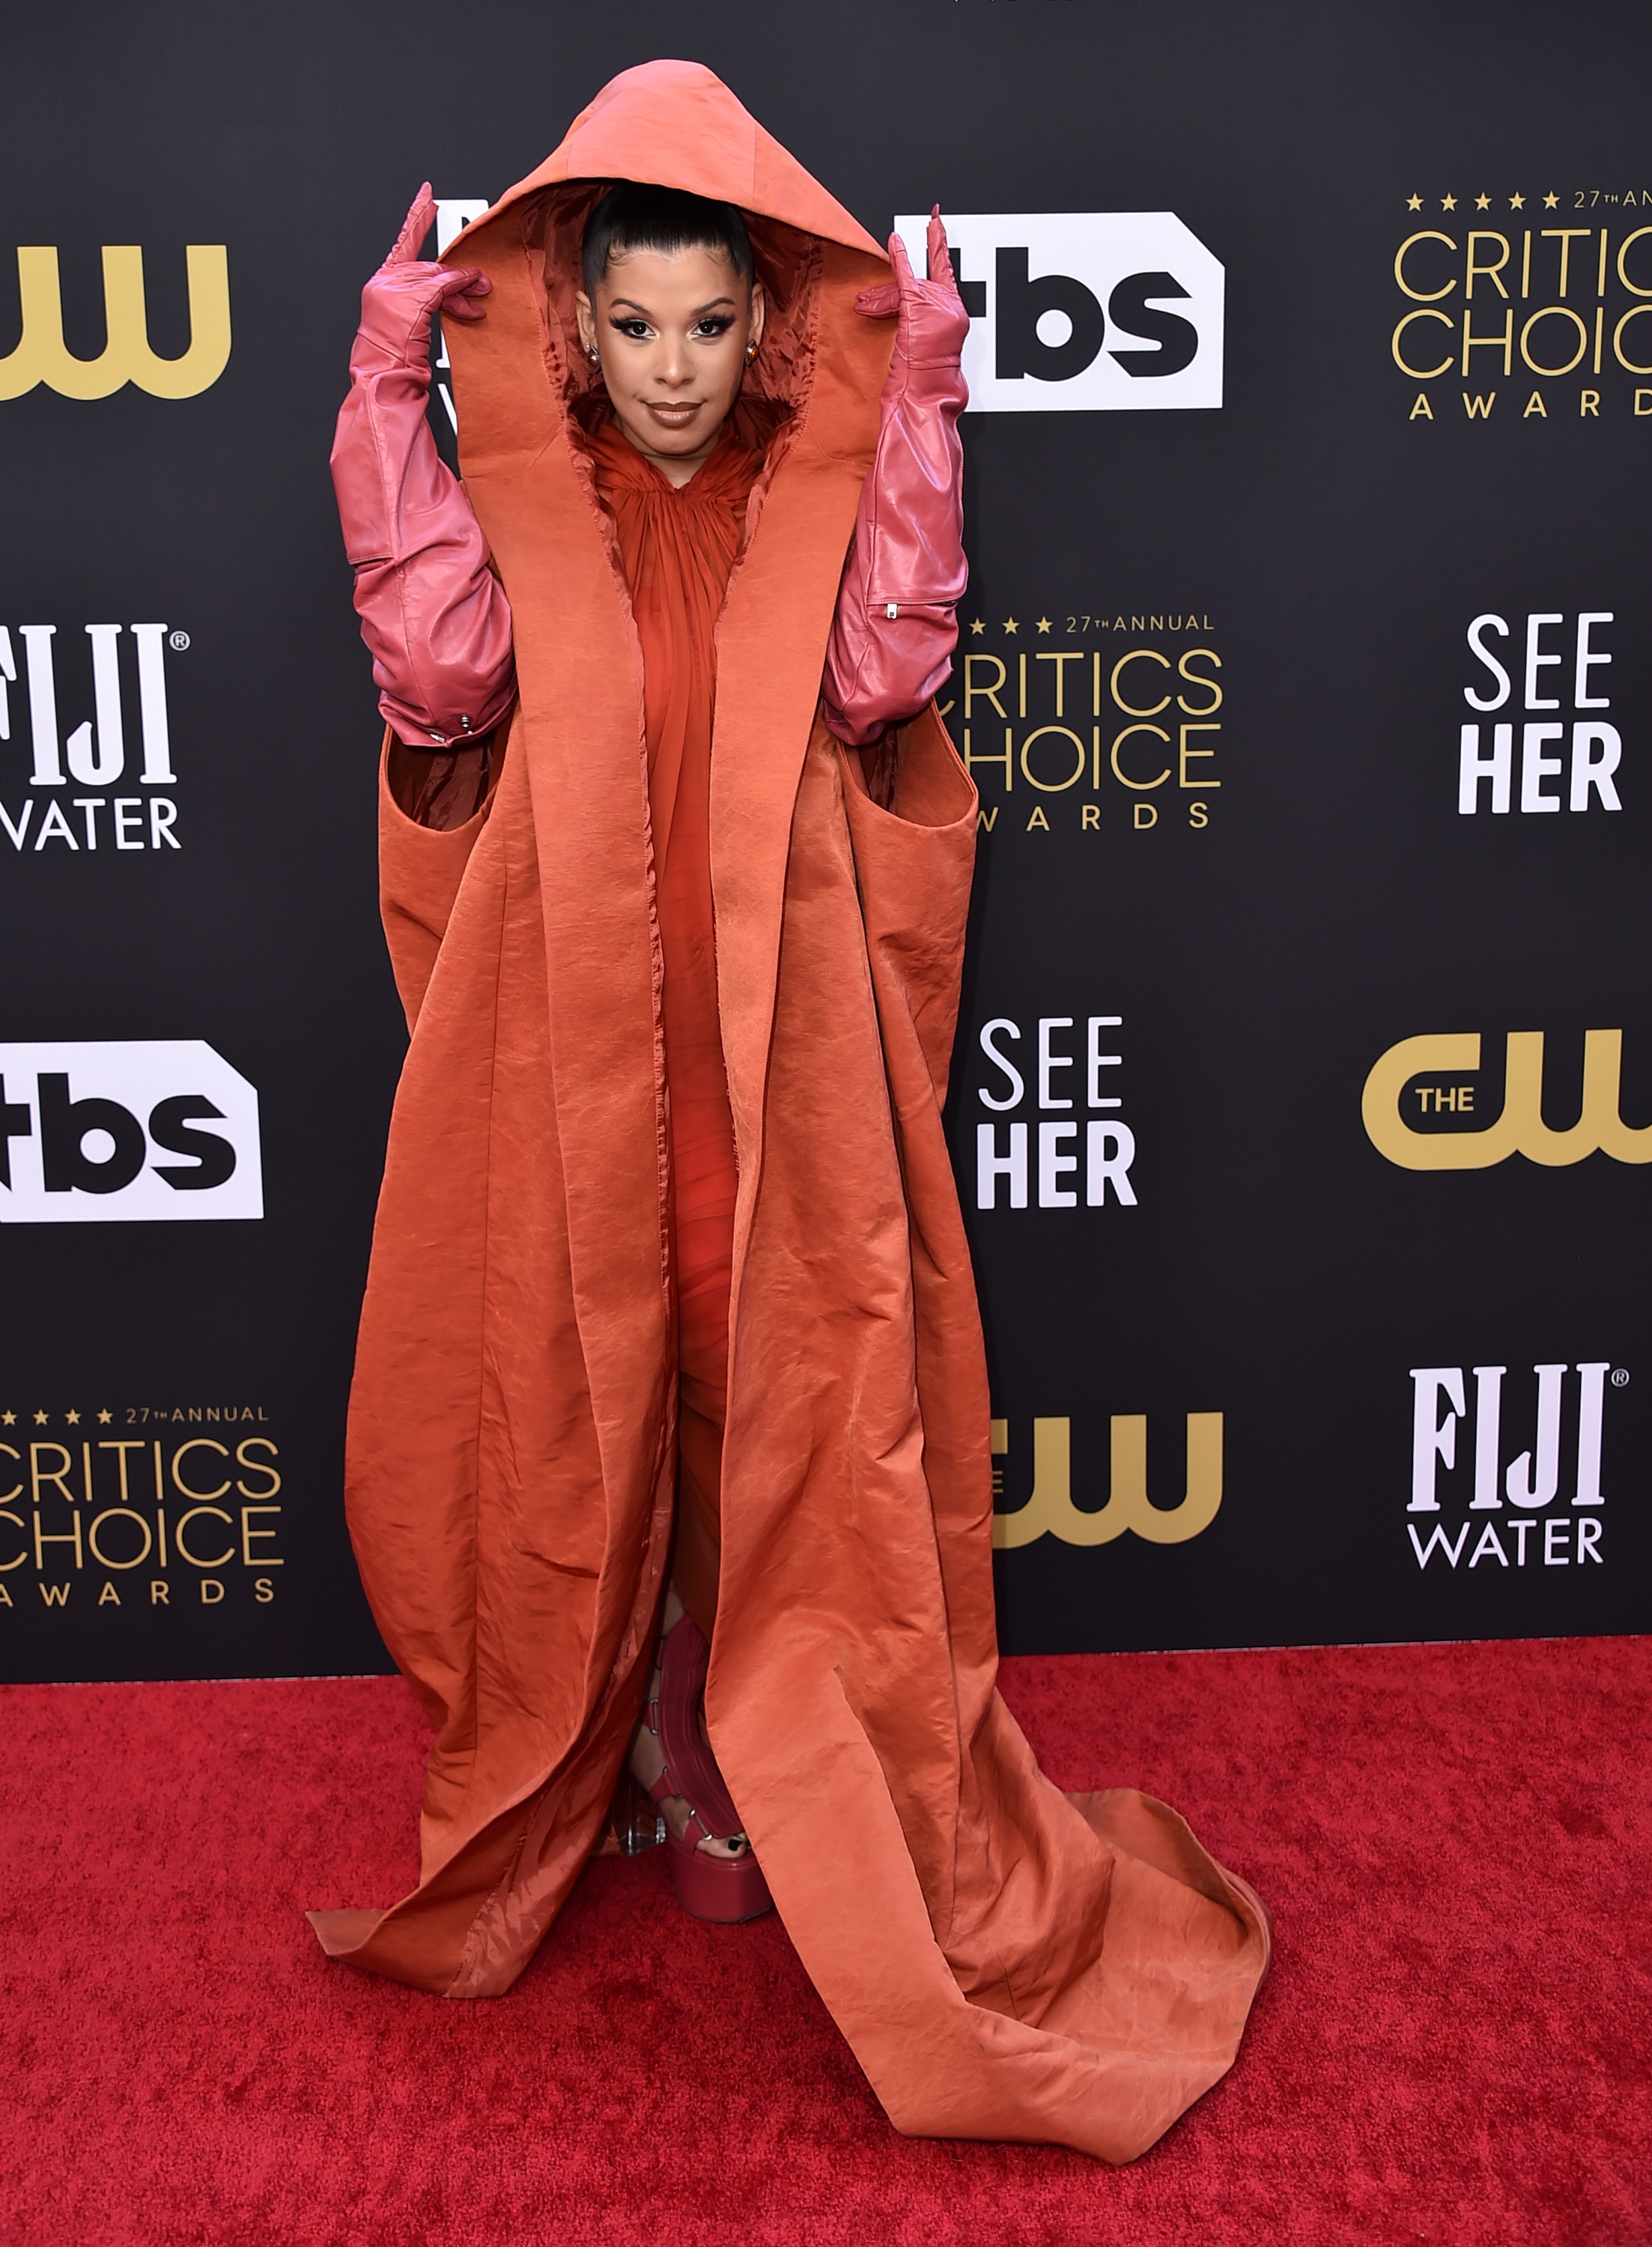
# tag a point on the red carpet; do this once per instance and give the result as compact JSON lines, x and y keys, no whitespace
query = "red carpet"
{"x":1456,"y":1843}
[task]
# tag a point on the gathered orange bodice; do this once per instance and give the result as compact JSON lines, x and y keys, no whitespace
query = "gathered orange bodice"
{"x":678,"y":546}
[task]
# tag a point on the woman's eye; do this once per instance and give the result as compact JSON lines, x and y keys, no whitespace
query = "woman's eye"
{"x":711,"y":329}
{"x":637,"y":331}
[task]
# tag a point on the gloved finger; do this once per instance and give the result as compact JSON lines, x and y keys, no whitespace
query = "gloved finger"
{"x":902,"y":263}
{"x":414,"y":227}
{"x":460,"y":308}
{"x":940,"y":263}
{"x":878,"y":303}
{"x":463,"y":281}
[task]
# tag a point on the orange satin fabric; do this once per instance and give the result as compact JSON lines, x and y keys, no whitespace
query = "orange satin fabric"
{"x":1006,"y":1961}
{"x":678,"y":544}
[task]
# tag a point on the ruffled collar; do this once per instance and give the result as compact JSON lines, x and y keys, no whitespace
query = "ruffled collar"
{"x":729,"y":469}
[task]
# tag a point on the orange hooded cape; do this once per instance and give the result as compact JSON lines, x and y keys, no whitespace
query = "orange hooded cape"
{"x":1006,"y":1963}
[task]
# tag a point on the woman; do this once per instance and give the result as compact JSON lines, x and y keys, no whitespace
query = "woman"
{"x":668,"y":1239}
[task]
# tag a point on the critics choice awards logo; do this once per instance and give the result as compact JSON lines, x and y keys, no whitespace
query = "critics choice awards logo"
{"x":1110,"y":722}
{"x":162,"y":1129}
{"x":151,"y":1507}
{"x":1526,"y":305}
{"x":122,"y":674}
{"x":1096,"y":312}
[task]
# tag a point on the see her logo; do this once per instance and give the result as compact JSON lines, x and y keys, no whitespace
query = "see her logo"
{"x":1097,"y":311}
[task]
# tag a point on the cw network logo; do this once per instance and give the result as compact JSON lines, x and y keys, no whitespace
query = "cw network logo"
{"x":96,"y":750}
{"x":86,"y":1130}
{"x":43,"y":356}
{"x":1520,"y":1127}
{"x":1104,"y":311}
{"x":1532,"y":1480}
{"x":1049,"y":1510}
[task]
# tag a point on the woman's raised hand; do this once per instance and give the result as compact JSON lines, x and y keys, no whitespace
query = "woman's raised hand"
{"x":896,"y":625}
{"x":932,"y":323}
{"x":433,"y":613}
{"x":397,"y":301}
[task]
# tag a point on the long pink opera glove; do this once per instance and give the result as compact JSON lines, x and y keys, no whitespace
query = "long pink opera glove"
{"x":896,"y":625}
{"x":434,"y":617}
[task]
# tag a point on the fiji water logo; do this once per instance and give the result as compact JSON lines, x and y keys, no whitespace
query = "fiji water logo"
{"x":1541,"y":1507}
{"x":95,"y":753}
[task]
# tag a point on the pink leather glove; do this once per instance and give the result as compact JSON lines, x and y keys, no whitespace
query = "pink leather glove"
{"x":434,"y":617}
{"x":896,"y":627}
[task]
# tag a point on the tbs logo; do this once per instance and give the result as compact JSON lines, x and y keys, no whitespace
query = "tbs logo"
{"x":160,"y":1129}
{"x":1102,"y":312}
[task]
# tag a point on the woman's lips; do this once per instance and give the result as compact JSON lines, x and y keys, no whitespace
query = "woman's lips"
{"x":674,"y":417}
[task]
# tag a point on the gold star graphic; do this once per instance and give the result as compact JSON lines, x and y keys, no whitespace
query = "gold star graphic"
{"x":40,"y":1419}
{"x":8,"y":1419}
{"x":1550,"y":201}
{"x":1482,"y":202}
{"x":1447,"y":202}
{"x":1517,"y":202}
{"x":73,"y":1419}
{"x":1043,"y":624}
{"x":104,"y":1418}
{"x":1009,"y":623}
{"x":1414,"y":203}
{"x":976,"y":627}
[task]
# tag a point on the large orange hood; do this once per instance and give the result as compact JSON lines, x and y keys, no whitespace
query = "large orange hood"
{"x":677,"y":125}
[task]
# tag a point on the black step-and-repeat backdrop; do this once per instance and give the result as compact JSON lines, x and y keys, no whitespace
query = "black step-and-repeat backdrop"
{"x":1303,"y":1094}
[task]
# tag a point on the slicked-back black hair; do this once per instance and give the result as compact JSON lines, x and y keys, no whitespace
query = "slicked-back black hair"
{"x":634,"y":215}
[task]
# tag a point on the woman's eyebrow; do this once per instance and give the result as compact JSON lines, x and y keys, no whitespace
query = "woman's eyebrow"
{"x":712,"y":304}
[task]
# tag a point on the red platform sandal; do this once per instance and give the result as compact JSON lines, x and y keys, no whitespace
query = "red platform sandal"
{"x":726,"y":1889}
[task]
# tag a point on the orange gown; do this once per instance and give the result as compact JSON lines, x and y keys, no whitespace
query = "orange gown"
{"x":678,"y":545}
{"x":1005,"y":1961}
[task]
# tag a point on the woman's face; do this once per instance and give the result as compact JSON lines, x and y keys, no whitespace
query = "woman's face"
{"x":672,"y":334}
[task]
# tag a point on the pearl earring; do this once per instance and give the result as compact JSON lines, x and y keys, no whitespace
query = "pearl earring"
{"x":593,"y":355}
{"x":751,"y":352}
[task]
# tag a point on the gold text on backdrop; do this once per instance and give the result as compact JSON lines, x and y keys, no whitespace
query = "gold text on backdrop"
{"x":42,"y":355}
{"x":1520,"y":1129}
{"x":1050,"y":1509}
